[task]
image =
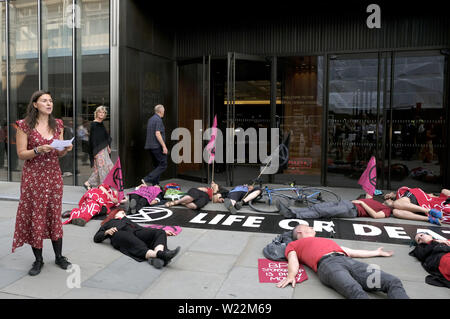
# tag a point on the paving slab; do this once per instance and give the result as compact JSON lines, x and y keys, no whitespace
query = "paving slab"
{"x":184,"y":284}
{"x":124,"y":274}
{"x":243,"y":283}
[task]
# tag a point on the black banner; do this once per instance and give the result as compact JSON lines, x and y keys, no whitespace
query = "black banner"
{"x":354,"y":229}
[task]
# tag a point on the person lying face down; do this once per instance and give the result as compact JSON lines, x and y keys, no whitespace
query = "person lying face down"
{"x":198,"y":197}
{"x":336,"y":267}
{"x":135,"y":241}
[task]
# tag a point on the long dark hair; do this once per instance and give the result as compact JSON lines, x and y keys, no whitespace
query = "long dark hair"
{"x":32,"y":112}
{"x":111,"y":215}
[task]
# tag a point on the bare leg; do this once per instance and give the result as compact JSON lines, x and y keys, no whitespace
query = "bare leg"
{"x":404,"y":214}
{"x":152,"y":253}
{"x":405,"y":204}
{"x":190,"y":205}
{"x":251,"y":196}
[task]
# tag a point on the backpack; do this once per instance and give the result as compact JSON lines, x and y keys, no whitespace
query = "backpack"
{"x":275,"y":250}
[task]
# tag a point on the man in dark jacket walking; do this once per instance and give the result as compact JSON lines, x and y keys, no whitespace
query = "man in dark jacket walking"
{"x":156,"y":145}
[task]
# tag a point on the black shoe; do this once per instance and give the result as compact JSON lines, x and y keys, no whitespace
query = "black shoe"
{"x":229,"y":205}
{"x":283,"y":209}
{"x":66,"y":214}
{"x":167,"y":255}
{"x":78,"y":221}
{"x":36,"y":269}
{"x":133,"y":204}
{"x":238,"y":205}
{"x":158,"y":263}
{"x":62,"y":262}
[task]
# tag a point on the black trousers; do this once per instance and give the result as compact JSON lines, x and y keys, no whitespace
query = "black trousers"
{"x":137,"y":243}
{"x":159,"y":160}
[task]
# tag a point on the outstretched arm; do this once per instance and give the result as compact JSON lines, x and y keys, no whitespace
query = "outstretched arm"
{"x":293,"y":267}
{"x":358,"y":253}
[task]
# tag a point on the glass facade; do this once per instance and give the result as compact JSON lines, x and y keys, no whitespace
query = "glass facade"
{"x":61,"y":46}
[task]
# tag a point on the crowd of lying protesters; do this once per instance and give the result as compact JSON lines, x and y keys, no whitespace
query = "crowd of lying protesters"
{"x":323,"y":255}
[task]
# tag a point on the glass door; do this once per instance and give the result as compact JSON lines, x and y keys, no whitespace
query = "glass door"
{"x":416,"y":135}
{"x":193,"y":118}
{"x":248,"y":110}
{"x":355,"y":124}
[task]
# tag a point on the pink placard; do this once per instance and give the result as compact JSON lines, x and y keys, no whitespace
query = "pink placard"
{"x":174,"y":229}
{"x":276,"y":271}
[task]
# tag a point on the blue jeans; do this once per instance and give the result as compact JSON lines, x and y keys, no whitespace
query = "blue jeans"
{"x":159,"y":160}
{"x":352,"y":278}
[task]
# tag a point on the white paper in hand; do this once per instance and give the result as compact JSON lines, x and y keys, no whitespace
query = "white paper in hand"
{"x":61,"y":144}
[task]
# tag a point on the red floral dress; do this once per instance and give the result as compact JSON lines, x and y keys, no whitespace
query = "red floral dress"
{"x":41,"y":189}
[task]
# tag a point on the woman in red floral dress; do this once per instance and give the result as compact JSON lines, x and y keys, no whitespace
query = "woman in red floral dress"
{"x":41,"y":189}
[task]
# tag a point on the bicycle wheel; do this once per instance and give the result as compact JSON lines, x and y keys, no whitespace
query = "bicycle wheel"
{"x":262,"y":204}
{"x":314,"y":195}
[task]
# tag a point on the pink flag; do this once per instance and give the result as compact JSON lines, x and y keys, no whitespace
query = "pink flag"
{"x":368,"y":179}
{"x":211,"y":147}
{"x":115,"y":180}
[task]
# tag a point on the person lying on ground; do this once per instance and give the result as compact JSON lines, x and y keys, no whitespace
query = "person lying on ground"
{"x":135,"y":241}
{"x":434,"y":255}
{"x":415,"y":204}
{"x":145,"y":196}
{"x":365,"y":207}
{"x":239,"y":196}
{"x":96,"y":201}
{"x":197,"y":198}
{"x":336,"y":267}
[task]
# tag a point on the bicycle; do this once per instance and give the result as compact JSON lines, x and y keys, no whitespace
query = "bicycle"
{"x":265,"y":202}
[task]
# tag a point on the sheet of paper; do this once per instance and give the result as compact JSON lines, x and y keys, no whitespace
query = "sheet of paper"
{"x":61,"y":144}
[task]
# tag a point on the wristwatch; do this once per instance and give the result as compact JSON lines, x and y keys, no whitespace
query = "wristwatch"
{"x":36,"y":151}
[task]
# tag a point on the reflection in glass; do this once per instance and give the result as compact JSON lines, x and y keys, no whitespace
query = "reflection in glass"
{"x":24,"y":69}
{"x":418,"y":137}
{"x":56,"y":37}
{"x":3,"y":106}
{"x":353,"y":127}
{"x":299,"y":117}
{"x":92,"y":76}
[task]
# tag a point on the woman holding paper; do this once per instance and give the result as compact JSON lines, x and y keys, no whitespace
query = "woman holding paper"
{"x":41,"y":189}
{"x":99,"y":149}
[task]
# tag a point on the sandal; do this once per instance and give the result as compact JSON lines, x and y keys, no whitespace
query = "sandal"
{"x":435,"y":213}
{"x":87,"y":186}
{"x":434,"y":220}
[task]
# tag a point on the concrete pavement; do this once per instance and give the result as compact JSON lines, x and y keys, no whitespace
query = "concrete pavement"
{"x":212,"y":264}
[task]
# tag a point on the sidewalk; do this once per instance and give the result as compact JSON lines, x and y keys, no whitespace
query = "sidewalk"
{"x":212,"y":264}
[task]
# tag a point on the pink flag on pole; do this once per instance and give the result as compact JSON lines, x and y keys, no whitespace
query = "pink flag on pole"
{"x":115,"y":179}
{"x":211,"y":147}
{"x":368,"y":179}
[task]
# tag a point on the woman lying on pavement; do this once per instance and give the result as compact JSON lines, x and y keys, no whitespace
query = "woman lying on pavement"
{"x":145,"y":196}
{"x":239,"y":196}
{"x":435,"y":258}
{"x":415,"y":204}
{"x":135,"y":241}
{"x":197,"y":198}
{"x":96,"y":201}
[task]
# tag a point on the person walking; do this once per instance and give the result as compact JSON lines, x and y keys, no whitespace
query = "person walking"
{"x":99,"y":149}
{"x":336,"y":267}
{"x":156,"y":145}
{"x":41,"y":188}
